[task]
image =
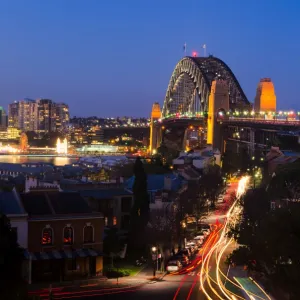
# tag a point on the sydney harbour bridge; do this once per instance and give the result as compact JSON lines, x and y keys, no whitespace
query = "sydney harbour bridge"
{"x":205,"y":104}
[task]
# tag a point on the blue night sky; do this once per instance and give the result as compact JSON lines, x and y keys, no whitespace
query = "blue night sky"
{"x":115,"y":57}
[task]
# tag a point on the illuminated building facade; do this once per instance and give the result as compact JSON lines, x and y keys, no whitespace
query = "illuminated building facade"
{"x":41,"y":116}
{"x":45,"y":120}
{"x":62,"y":146}
{"x":62,"y":116}
{"x":3,"y":118}
{"x":265,"y":99}
{"x":13,"y":114}
{"x":98,"y":149}
{"x":26,"y":114}
{"x":13,"y":133}
{"x":95,"y":135}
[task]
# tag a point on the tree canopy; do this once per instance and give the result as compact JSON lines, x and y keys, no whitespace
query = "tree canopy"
{"x":11,"y":257}
{"x":269,"y":239}
{"x":140,"y":209}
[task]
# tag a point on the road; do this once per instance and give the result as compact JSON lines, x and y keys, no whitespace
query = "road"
{"x":202,"y":279}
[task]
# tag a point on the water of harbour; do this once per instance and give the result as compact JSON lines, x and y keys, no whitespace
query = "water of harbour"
{"x":20,"y":159}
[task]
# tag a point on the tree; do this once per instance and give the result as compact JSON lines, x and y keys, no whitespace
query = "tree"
{"x":269,"y":240}
{"x":167,"y":153}
{"x":211,"y":182}
{"x":286,"y":182}
{"x":158,"y":229}
{"x":140,"y":209}
{"x":111,"y":244}
{"x":12,"y":286}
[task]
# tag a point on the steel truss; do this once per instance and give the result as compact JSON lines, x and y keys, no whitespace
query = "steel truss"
{"x":190,"y":84}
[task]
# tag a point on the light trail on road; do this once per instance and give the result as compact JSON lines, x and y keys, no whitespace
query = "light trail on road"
{"x":218,"y":251}
{"x":208,"y":243}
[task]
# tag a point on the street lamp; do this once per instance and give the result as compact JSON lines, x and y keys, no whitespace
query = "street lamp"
{"x":154,"y":258}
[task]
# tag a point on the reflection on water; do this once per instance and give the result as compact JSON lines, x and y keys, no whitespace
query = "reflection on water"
{"x":17,"y":159}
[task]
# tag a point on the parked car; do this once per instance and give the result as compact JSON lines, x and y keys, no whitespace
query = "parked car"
{"x":183,"y":259}
{"x":206,"y":232}
{"x":192,"y":246}
{"x":185,"y":251}
{"x":205,"y":226}
{"x":199,"y":239}
{"x":174,"y":266}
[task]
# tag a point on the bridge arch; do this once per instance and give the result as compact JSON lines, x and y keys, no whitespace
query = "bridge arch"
{"x":191,"y":82}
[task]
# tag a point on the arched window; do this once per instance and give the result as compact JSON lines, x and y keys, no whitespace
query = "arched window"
{"x":88,"y":234}
{"x":47,"y":236}
{"x":68,"y":236}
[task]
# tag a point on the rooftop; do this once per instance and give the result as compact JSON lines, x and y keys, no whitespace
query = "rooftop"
{"x":55,"y":203}
{"x":156,"y":182}
{"x":28,"y":168}
{"x":105,"y":193}
{"x":10,"y":203}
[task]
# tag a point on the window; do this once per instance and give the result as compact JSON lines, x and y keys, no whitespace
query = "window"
{"x":68,"y":235}
{"x":47,"y":236}
{"x":114,"y":221}
{"x":88,"y":234}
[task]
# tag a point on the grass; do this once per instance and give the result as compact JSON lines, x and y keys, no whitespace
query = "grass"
{"x":122,"y":269}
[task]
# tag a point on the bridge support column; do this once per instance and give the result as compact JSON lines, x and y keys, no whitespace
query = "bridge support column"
{"x":218,"y":100}
{"x":184,"y":145}
{"x":155,"y":138}
{"x":155,"y":129}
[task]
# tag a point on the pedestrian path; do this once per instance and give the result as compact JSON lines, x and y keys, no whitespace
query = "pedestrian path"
{"x":247,"y":284}
{"x":251,"y":288}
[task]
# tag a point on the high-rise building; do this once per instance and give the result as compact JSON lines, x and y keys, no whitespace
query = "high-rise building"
{"x":3,"y":118}
{"x":45,"y":113}
{"x":13,"y":114}
{"x":41,"y":116}
{"x":62,"y":116}
{"x":26,"y":114}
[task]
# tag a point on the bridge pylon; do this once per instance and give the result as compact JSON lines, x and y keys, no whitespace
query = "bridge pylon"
{"x":218,"y":103}
{"x":155,"y":131}
{"x":265,"y":99}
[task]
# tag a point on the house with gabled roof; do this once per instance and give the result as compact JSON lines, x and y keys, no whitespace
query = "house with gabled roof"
{"x":65,"y":237}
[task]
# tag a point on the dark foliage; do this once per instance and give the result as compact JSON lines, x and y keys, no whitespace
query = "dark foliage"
{"x":140,"y":209}
{"x":12,"y":286}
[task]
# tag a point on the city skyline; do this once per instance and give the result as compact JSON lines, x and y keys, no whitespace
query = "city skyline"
{"x":117,"y":59}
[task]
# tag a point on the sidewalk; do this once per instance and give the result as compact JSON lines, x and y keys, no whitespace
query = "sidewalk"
{"x":143,"y":277}
{"x":147,"y":273}
{"x":240,"y":276}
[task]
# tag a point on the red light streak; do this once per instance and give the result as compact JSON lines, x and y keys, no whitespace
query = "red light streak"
{"x":93,"y":295}
{"x":181,"y":283}
{"x":192,"y":288}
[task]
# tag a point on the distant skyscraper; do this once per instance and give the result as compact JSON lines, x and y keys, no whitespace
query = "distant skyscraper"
{"x":3,"y":118}
{"x":45,"y":116}
{"x":41,"y":116}
{"x":13,"y":114}
{"x":26,"y":114}
{"x":62,"y":116}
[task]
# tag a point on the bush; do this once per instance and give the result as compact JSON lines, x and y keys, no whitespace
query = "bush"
{"x":116,"y":272}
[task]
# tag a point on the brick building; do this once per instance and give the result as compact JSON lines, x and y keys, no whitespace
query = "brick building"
{"x":65,"y":238}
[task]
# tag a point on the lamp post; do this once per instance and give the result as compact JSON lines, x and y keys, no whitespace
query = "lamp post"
{"x":154,"y":255}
